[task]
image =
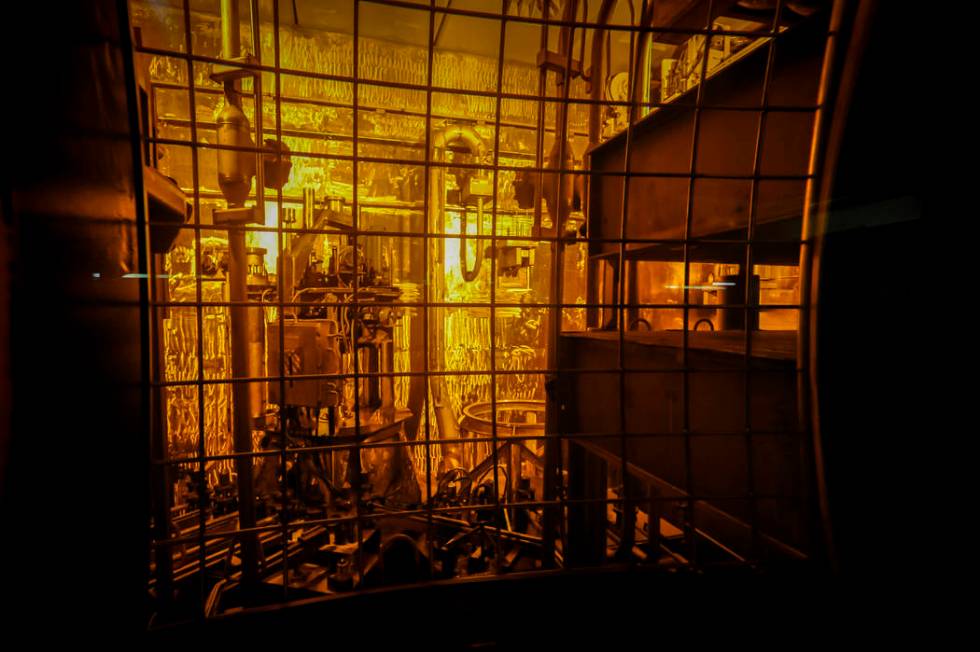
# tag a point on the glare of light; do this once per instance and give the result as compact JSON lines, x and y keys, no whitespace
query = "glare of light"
{"x":713,"y":286}
{"x":268,"y":240}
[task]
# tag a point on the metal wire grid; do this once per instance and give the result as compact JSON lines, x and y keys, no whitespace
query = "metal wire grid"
{"x":558,"y":501}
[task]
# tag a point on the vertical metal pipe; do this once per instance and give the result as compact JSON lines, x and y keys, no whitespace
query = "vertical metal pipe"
{"x":553,"y":476}
{"x":426,"y":293}
{"x":238,"y":295}
{"x":386,"y":382}
{"x":242,"y":417}
{"x":542,"y":108}
{"x":257,"y":98}
{"x":259,"y":392}
{"x":230,"y":30}
{"x":596,"y":77}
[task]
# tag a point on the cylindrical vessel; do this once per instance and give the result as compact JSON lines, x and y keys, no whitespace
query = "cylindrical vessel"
{"x":241,"y":399}
{"x":386,"y":360}
{"x":516,"y":419}
{"x":230,"y":29}
{"x":235,"y":167}
{"x":258,"y":279}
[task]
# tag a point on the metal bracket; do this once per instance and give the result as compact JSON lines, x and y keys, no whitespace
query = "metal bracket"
{"x":223,"y":72}
{"x":238,"y":215}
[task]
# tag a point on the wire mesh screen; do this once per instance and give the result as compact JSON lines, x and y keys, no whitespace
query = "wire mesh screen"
{"x":474,"y":288}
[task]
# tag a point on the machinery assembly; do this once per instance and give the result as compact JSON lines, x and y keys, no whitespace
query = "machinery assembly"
{"x":434,"y":292}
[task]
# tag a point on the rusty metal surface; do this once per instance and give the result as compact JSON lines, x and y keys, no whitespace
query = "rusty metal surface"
{"x":727,"y":137}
